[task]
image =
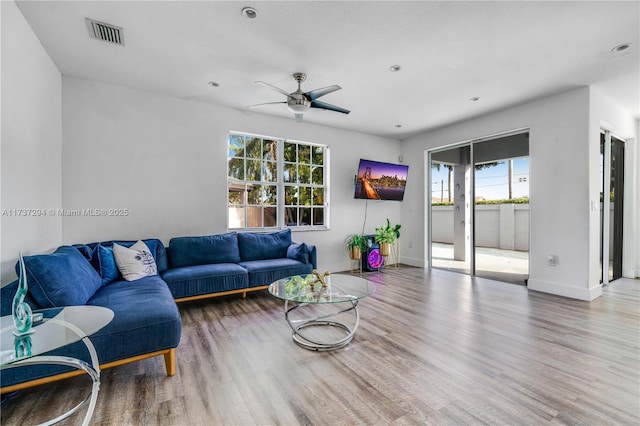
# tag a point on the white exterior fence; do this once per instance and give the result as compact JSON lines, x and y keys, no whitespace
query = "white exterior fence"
{"x":503,"y":226}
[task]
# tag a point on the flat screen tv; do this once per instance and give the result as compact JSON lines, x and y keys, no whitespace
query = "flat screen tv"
{"x":381,"y":181}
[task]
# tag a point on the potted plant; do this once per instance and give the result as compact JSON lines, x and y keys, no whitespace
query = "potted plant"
{"x":387,"y":235}
{"x":356,"y":244}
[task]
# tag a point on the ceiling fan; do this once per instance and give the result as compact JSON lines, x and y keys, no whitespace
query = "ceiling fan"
{"x":299,"y":102}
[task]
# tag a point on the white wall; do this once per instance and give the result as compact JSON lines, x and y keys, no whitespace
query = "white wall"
{"x":31,"y":142}
{"x":560,"y":176}
{"x":606,"y":114}
{"x":164,"y":159}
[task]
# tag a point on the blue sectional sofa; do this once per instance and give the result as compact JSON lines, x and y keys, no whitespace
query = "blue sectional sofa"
{"x":146,"y":319}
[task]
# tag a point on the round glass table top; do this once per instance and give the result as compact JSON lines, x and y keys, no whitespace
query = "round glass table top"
{"x":307,"y":289}
{"x":58,"y":327}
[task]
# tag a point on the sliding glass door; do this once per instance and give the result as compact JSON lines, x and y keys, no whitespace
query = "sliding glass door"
{"x":479,"y":208}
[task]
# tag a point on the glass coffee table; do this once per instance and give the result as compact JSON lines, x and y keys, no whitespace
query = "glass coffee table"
{"x":306,"y":290}
{"x":53,"y":329}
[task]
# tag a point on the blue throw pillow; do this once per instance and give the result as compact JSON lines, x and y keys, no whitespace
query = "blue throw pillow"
{"x":104,"y":262}
{"x":63,"y":278}
{"x":256,"y":246}
{"x":299,"y":252}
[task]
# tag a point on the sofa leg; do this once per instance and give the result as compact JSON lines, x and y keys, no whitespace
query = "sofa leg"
{"x":170,"y":362}
{"x":244,"y":295}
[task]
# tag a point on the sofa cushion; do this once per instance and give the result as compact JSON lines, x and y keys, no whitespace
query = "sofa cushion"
{"x":204,"y":279}
{"x":135,"y":262}
{"x":104,"y":262}
{"x":256,"y":246}
{"x":146,"y":319}
{"x":62,"y":278}
{"x":264,"y":272}
{"x":299,"y":252}
{"x":203,"y":250}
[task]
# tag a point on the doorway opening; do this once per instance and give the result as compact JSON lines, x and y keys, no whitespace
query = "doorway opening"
{"x":611,"y":206}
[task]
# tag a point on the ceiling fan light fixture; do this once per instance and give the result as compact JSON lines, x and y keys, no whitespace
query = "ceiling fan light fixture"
{"x":300,"y":102}
{"x":298,"y":106}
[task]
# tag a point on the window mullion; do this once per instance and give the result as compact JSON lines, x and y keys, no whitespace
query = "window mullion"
{"x":326,"y":186}
{"x":280,"y":182}
{"x":245,"y":194}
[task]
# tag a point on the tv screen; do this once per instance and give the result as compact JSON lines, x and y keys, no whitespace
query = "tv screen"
{"x":381,"y":181}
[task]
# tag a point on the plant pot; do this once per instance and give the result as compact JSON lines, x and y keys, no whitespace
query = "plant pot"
{"x":355,"y":253}
{"x":385,"y":249}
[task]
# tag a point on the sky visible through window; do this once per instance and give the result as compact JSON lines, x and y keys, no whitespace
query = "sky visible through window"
{"x":492,"y":183}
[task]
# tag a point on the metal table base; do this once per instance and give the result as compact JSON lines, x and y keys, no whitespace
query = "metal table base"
{"x":315,"y":344}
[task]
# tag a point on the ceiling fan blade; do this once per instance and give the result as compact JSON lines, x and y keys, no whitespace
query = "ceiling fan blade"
{"x":315,"y":94}
{"x":324,"y":105}
{"x":277,"y":89}
{"x":298,"y":118}
{"x":266,"y":103}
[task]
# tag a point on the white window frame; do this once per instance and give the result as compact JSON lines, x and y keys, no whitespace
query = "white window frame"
{"x":280,"y":185}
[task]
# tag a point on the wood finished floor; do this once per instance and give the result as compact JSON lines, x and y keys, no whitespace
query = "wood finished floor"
{"x":432,"y":348}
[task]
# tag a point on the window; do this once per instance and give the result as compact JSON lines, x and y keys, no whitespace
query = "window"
{"x":276,"y":183}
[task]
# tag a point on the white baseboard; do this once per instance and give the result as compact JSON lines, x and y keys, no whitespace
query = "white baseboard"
{"x":587,"y":294}
{"x":411,"y":261}
{"x":630,"y":273}
{"x":334,"y":267}
{"x":345,"y":266}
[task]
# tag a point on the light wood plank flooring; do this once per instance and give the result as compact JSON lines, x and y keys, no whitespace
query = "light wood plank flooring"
{"x":432,"y":348}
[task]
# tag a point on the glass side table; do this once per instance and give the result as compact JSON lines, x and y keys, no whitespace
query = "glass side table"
{"x":53,"y":329}
{"x":304,"y":290}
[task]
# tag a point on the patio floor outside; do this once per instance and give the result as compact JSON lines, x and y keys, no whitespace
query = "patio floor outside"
{"x":502,"y":265}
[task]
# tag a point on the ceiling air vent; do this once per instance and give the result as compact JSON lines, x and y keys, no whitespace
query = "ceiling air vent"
{"x":105,"y":32}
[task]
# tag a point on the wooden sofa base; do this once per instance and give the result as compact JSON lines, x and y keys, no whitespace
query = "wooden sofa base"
{"x":242,"y":291}
{"x":169,"y":361}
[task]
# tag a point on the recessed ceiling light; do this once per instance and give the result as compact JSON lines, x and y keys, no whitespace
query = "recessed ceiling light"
{"x":394,"y":68}
{"x":398,"y":125}
{"x":249,"y":12}
{"x":475,"y":99}
{"x":621,"y":47}
{"x":213,"y":84}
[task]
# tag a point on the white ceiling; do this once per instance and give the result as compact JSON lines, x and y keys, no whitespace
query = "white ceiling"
{"x":506,"y":53}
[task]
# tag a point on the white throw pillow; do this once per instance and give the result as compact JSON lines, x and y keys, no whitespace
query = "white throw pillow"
{"x":135,"y":262}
